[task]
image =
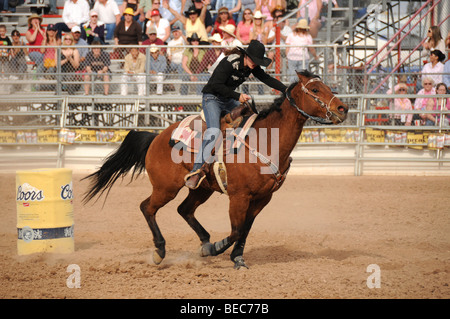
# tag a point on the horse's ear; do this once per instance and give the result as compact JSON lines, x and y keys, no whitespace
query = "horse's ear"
{"x":300,"y":75}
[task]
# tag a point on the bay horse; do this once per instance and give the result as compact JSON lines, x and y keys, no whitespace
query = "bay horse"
{"x":249,"y":191}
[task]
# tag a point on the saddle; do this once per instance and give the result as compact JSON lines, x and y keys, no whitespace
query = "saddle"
{"x":189,"y":135}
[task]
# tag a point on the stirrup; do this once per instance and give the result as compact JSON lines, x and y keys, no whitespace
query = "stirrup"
{"x":192,"y":174}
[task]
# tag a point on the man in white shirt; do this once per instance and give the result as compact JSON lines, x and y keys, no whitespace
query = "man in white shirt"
{"x":109,"y":14}
{"x":75,"y":13}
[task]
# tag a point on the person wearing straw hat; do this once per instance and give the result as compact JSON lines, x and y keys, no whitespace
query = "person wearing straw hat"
{"x":298,"y":56}
{"x":35,"y":36}
{"x":223,"y":19}
{"x":258,"y":32}
{"x":229,"y":38}
{"x":220,"y":96}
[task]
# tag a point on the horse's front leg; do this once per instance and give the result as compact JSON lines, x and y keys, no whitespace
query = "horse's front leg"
{"x":238,"y":211}
{"x":254,"y":209}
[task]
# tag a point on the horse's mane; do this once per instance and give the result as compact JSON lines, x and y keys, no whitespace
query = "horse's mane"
{"x":276,"y":105}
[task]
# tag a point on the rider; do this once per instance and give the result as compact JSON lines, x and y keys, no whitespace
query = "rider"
{"x":219,"y":95}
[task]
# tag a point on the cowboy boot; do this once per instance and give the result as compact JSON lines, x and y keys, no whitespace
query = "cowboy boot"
{"x":195,"y":178}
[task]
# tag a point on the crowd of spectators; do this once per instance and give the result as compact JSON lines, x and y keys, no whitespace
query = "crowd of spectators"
{"x":164,"y":27}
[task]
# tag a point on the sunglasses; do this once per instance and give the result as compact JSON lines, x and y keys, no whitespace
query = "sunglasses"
{"x":428,"y":84}
{"x":400,"y":90}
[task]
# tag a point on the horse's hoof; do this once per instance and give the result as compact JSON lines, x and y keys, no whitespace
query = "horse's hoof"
{"x":157,"y":259}
{"x":206,"y":250}
{"x":239,"y":263}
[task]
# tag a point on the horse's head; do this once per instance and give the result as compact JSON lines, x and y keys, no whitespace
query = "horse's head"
{"x":313,"y":99}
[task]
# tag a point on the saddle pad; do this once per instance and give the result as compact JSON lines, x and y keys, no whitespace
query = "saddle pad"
{"x":192,"y":139}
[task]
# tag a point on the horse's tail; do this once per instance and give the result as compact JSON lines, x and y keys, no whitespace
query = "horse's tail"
{"x":131,"y":153}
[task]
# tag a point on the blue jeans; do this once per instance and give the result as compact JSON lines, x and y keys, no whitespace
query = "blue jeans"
{"x":213,"y":106}
{"x":109,"y":28}
{"x":296,"y":65}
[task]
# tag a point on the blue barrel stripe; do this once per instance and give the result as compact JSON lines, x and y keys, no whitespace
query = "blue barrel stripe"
{"x":29,"y":234}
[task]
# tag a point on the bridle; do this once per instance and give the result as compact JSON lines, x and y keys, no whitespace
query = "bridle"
{"x":304,"y":88}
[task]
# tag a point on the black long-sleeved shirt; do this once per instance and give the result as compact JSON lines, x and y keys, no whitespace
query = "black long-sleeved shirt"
{"x":231,"y":72}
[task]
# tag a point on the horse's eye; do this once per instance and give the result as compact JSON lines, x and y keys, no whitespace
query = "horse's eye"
{"x":315,"y":90}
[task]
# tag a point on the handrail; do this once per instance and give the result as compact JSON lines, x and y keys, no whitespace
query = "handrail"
{"x":395,"y":35}
{"x":402,"y":61}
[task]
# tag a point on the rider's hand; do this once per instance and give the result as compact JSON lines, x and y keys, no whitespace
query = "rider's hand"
{"x":244,"y":98}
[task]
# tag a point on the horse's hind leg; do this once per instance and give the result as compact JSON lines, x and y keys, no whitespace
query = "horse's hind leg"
{"x":187,"y":210}
{"x":149,"y":207}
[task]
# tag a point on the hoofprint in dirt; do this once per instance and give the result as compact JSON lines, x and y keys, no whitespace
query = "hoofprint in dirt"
{"x":320,"y":237}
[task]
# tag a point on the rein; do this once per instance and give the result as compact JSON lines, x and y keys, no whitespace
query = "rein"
{"x":320,"y":120}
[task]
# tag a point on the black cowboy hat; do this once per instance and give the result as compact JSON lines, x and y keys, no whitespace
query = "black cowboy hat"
{"x":439,"y":54}
{"x":191,"y":10}
{"x":193,"y":37}
{"x":256,"y":51}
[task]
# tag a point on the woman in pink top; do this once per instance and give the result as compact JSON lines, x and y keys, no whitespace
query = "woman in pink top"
{"x":423,"y":103}
{"x":298,"y":56}
{"x":402,"y":104}
{"x":244,"y":27}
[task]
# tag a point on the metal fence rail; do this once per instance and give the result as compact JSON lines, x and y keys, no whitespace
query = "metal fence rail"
{"x":61,"y":124}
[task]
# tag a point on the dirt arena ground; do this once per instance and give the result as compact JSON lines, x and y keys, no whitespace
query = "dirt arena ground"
{"x":315,"y":239}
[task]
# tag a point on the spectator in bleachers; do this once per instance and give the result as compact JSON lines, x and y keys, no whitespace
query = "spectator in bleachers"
{"x":443,"y":104}
{"x":233,"y":8}
{"x":94,"y":29}
{"x":134,"y":70}
{"x":163,"y":7}
{"x":247,"y":4}
{"x":17,"y":63}
{"x":75,"y":13}
{"x":229,"y":37}
{"x":401,"y":104}
{"x":258,"y":31}
{"x":285,"y":30}
{"x":277,"y":11}
{"x":421,"y":103}
{"x":4,"y":52}
{"x":298,"y":57}
{"x":153,"y":39}
{"x":267,"y":6}
{"x":158,"y":64}
{"x":97,"y":67}
{"x":192,"y":59}
{"x":128,"y":31}
{"x":209,"y":22}
{"x":446,"y":77}
{"x":80,"y":42}
{"x":314,"y":9}
{"x":70,"y":61}
{"x":133,"y":4}
{"x":35,"y":36}
{"x":223,"y":19}
{"x":109,"y":13}
{"x":434,"y":41}
{"x":162,"y":25}
{"x":244,"y":27}
{"x":434,"y":68}
{"x":213,"y":55}
{"x":49,"y":65}
{"x":193,"y":20}
{"x":175,"y":51}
